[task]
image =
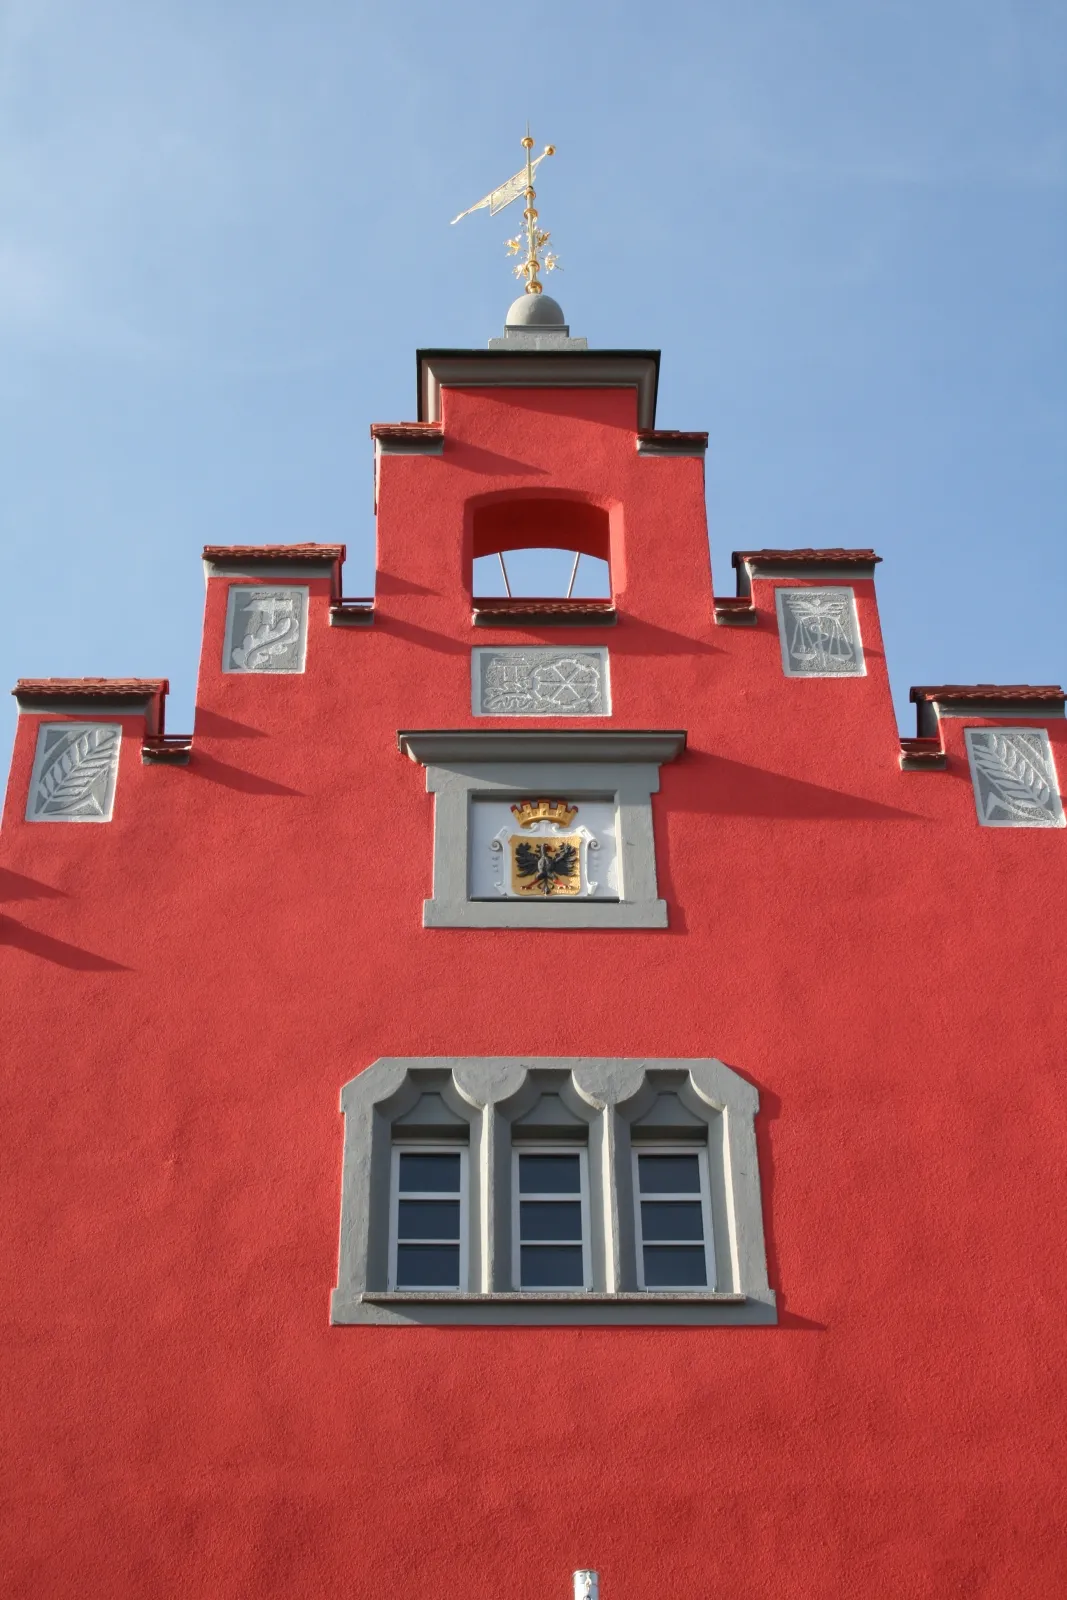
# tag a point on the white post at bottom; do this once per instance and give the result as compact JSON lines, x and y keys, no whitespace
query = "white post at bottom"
{"x":586,"y":1585}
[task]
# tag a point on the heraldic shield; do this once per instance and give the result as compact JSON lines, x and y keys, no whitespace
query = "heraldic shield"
{"x":550,"y":858}
{"x":546,"y":866}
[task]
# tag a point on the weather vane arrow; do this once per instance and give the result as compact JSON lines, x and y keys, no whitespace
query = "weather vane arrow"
{"x":531,"y":238}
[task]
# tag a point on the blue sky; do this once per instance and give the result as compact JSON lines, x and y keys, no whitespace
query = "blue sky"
{"x":224,"y":232}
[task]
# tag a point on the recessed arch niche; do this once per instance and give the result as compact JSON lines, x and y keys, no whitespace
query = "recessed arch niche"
{"x":559,"y":544}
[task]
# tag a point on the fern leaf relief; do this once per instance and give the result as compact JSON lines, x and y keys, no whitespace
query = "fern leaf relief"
{"x":1013,"y":775}
{"x":71,"y":778}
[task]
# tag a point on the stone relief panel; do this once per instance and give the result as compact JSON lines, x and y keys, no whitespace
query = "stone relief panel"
{"x":1014,"y":778}
{"x":74,"y":772}
{"x":266,"y":629}
{"x":540,"y":682}
{"x":820,"y":634}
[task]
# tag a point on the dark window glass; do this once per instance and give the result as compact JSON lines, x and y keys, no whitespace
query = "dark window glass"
{"x":675,"y":1267}
{"x":669,"y":1174}
{"x":550,"y":1174}
{"x":552,"y":1266}
{"x":427,"y":1266}
{"x":672,"y":1219}
{"x":431,"y":1219}
{"x":551,"y":1219}
{"x":433,"y":1172}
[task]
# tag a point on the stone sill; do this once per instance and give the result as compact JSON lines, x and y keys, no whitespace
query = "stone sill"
{"x":169,"y":750}
{"x":545,"y":614}
{"x":552,"y":1308}
{"x":576,"y":911}
{"x":922,"y":755}
{"x":562,"y":1297}
{"x":346,"y":613}
{"x":735,"y":611}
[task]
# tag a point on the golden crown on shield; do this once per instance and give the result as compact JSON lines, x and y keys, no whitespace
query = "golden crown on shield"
{"x":527,"y":812}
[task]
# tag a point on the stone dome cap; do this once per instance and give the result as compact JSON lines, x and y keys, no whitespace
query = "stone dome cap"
{"x":536,"y":311}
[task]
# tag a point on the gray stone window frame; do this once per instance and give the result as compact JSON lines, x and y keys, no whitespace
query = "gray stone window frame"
{"x":609,"y":1096}
{"x":620,"y":764}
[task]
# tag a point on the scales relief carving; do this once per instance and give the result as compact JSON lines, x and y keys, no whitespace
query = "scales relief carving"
{"x":819,"y":633}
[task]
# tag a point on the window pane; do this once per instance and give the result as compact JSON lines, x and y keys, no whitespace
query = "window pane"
{"x":675,"y":1267}
{"x":552,"y":1266}
{"x":434,"y":1171}
{"x":549,"y":1174}
{"x":671,"y":1219}
{"x":427,"y":1266}
{"x":552,"y":1219}
{"x":669,"y":1174}
{"x":434,"y":1219}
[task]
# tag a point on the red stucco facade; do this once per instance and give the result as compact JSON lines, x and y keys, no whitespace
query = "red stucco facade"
{"x":188,"y":986}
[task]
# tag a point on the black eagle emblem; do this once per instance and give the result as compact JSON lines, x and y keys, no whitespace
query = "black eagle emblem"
{"x":550,"y":865}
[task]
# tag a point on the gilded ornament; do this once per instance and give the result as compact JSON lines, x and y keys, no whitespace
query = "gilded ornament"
{"x":531,"y":239}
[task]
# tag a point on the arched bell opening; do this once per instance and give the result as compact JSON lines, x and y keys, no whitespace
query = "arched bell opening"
{"x":541,"y":548}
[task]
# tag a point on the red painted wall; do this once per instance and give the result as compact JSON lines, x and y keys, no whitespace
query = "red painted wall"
{"x":190,"y":985}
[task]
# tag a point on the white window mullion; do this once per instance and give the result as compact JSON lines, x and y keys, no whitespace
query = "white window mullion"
{"x":700,"y":1194}
{"x":458,"y":1196}
{"x":549,"y":1197}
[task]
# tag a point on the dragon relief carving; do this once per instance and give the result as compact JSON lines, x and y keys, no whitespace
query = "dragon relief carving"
{"x":268,"y":623}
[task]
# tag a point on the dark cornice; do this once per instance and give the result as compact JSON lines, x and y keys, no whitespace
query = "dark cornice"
{"x":1016,"y":694}
{"x":95,"y":697}
{"x":934,"y":701}
{"x":444,"y":746}
{"x":671,"y":442}
{"x":538,"y":369}
{"x":243,"y":555}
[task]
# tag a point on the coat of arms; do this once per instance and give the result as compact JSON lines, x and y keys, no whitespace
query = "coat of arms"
{"x":549,"y":858}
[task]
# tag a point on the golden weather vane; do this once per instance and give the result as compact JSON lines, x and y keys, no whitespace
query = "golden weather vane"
{"x":531,"y":238}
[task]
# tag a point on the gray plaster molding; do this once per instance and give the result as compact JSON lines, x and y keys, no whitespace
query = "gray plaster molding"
{"x":631,"y":783}
{"x":84,"y":707}
{"x":1000,"y":710}
{"x":440,"y":746}
{"x":819,"y":570}
{"x":672,"y":447}
{"x":930,"y":712}
{"x":533,"y":369}
{"x":266,"y":572}
{"x":538,"y":339}
{"x":608,"y":1094}
{"x":434,"y":446}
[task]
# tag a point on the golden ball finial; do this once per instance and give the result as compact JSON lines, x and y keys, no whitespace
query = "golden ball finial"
{"x":527,"y":143}
{"x":550,"y":149}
